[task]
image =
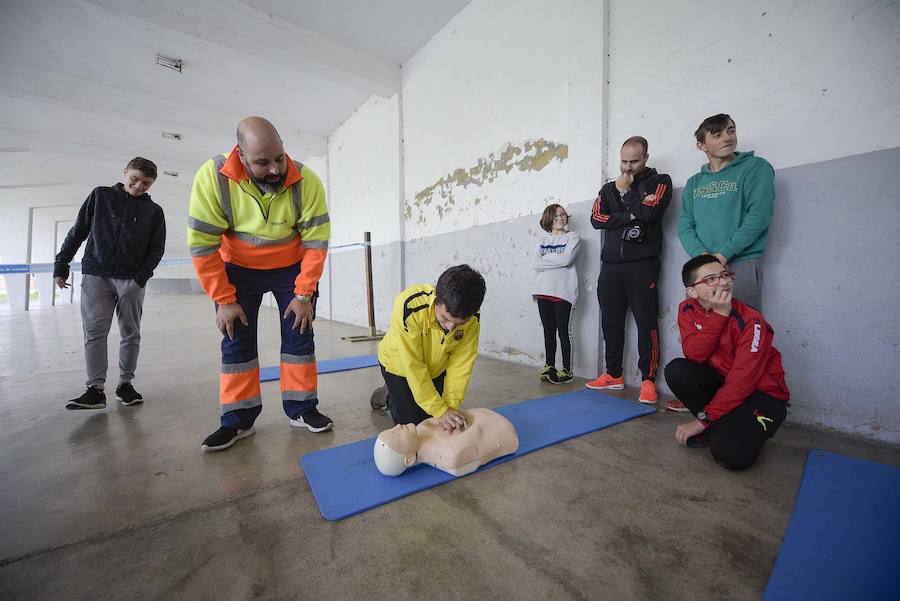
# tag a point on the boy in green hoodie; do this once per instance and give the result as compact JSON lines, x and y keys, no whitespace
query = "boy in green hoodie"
{"x":726,"y":209}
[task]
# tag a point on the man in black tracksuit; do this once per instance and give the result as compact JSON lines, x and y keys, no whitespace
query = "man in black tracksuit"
{"x":126,"y":238}
{"x":630,"y":209}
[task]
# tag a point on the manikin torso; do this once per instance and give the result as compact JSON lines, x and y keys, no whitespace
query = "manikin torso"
{"x":488,"y":436}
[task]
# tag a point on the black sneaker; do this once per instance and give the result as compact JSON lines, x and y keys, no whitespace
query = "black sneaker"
{"x":313,"y":421}
{"x":378,"y":400}
{"x":563,"y":376}
{"x":224,"y":437}
{"x":93,"y":398}
{"x":698,"y":441}
{"x":128,"y":395}
{"x":545,"y":373}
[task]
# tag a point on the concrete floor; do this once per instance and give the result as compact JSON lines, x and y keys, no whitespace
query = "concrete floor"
{"x":122,"y":504}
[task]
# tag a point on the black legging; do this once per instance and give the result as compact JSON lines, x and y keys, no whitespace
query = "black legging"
{"x":555,"y":319}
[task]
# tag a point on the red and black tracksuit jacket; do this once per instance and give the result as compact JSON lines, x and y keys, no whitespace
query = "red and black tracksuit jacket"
{"x":739,"y":347}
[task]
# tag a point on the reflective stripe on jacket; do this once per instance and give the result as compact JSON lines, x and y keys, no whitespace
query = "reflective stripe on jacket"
{"x":417,"y":348}
{"x":231,"y":220}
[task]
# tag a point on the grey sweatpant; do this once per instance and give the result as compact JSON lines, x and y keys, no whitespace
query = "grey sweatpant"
{"x":748,"y":282}
{"x":99,"y":298}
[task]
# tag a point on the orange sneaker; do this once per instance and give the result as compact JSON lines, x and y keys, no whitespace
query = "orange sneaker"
{"x":606,"y":382}
{"x":676,"y":405}
{"x":648,"y":393}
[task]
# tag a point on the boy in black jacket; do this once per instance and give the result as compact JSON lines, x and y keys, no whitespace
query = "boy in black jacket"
{"x":630,"y":209}
{"x":126,"y":237}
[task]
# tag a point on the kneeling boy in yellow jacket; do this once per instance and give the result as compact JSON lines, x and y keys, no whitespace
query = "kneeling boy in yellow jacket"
{"x":430,"y":347}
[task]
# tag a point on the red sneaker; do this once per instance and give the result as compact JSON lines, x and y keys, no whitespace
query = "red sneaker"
{"x":676,"y":405}
{"x":606,"y":382}
{"x":648,"y":393}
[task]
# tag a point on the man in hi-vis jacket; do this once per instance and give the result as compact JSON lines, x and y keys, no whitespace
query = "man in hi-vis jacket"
{"x":258,"y":223}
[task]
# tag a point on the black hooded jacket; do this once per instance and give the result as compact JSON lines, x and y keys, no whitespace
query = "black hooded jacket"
{"x":126,"y":236}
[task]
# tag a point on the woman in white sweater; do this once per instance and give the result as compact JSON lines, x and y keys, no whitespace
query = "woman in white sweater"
{"x":556,"y":289}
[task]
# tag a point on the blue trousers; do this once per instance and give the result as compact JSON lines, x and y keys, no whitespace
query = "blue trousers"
{"x":239,"y":395}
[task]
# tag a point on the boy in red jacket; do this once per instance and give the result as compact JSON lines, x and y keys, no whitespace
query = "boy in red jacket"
{"x":731,"y":378}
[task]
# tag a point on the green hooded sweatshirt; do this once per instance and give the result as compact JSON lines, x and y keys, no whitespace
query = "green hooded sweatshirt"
{"x":728,"y":212}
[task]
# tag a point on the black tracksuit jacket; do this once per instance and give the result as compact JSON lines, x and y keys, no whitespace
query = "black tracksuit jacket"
{"x":612,"y":212}
{"x":126,"y":236}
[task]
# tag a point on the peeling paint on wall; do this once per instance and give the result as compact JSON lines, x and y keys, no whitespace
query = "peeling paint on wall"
{"x":531,"y":155}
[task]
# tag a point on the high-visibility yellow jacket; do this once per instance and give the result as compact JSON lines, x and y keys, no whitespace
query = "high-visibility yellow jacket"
{"x":231,"y":220}
{"x":417,"y":348}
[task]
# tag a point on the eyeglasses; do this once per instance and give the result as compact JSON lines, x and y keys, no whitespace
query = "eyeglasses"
{"x":713,"y":280}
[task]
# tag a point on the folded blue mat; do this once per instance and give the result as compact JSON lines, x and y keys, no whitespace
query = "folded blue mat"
{"x":327,"y":366}
{"x":843,"y":541}
{"x":345,"y":481}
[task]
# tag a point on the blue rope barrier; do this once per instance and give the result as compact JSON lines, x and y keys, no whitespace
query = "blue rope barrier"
{"x":13,"y":268}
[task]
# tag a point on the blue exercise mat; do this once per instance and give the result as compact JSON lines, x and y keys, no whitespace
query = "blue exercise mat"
{"x":345,"y":481}
{"x":843,"y":541}
{"x":327,"y":366}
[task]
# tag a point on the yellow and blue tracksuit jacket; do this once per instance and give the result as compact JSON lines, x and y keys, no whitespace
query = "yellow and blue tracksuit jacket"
{"x":417,"y":348}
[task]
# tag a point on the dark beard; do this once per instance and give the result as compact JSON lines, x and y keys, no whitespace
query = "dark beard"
{"x":268,"y":186}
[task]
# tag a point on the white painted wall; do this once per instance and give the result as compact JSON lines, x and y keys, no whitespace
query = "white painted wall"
{"x":805,"y":82}
{"x":364,"y":175}
{"x":364,"y":162}
{"x":505,"y":73}
{"x":492,"y":80}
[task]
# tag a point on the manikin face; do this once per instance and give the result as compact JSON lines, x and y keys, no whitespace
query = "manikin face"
{"x":266,"y":163}
{"x":633,"y":159}
{"x":709,"y":278}
{"x":447,"y":321}
{"x":136,"y":183}
{"x":720,"y":145}
{"x":395,"y":449}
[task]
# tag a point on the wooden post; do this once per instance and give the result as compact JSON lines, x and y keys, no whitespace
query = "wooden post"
{"x":374,"y":334}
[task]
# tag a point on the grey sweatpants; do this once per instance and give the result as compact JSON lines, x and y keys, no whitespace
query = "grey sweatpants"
{"x":748,"y":282}
{"x":99,"y":298}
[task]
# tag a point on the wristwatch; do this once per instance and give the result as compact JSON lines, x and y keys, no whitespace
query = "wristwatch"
{"x":303,"y":298}
{"x":702,"y":417}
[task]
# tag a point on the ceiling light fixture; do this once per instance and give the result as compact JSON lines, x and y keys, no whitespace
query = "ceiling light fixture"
{"x":170,"y":173}
{"x":176,"y":64}
{"x":171,"y":135}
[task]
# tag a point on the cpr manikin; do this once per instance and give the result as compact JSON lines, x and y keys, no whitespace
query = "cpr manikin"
{"x":488,"y":436}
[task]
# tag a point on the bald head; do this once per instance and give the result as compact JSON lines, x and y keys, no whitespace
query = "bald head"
{"x":262,"y":153}
{"x":253,"y":131}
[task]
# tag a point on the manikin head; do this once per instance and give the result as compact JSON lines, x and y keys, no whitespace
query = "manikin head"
{"x":395,"y":449}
